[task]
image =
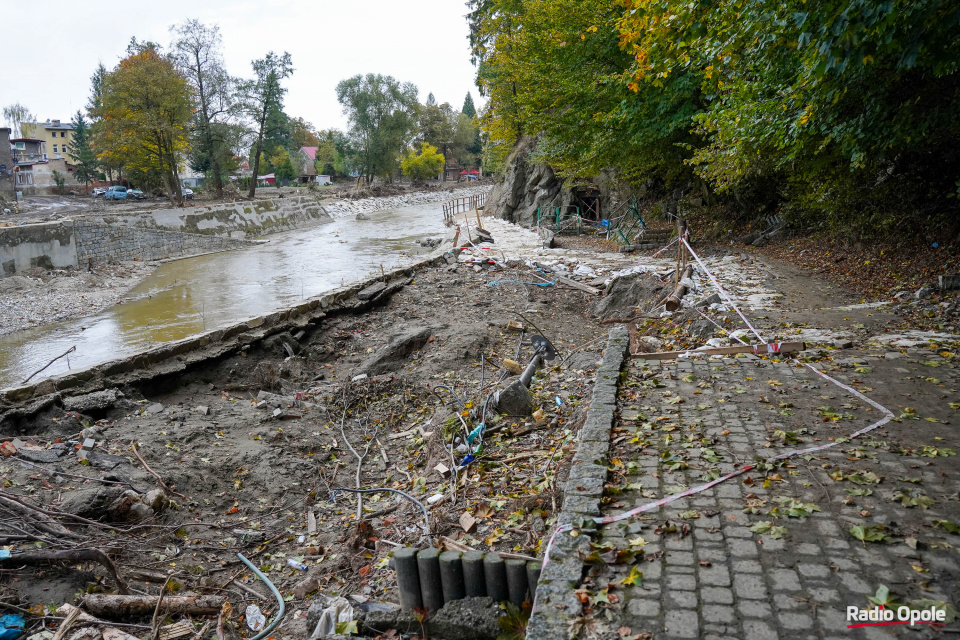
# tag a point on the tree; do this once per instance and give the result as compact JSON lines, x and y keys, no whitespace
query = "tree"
{"x":16,"y":114}
{"x":382,"y":116}
{"x":60,"y":181}
{"x":197,"y":53}
{"x":283,"y":169}
{"x":81,"y":153}
{"x":263,"y":96}
{"x":468,"y":109}
{"x":425,"y":165}
{"x":146,"y":108}
{"x":302,"y":134}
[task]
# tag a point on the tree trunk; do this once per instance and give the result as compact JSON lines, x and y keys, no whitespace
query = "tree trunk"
{"x":127,"y":607}
{"x":256,"y":159}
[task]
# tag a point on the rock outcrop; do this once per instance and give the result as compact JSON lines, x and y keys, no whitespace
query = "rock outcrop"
{"x":525,"y":187}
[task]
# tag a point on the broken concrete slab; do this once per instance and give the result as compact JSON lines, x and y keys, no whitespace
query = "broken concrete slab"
{"x":39,"y":455}
{"x":627,"y":293}
{"x":372,"y":291}
{"x":399,"y":346}
{"x":97,"y":401}
{"x":156,"y":407}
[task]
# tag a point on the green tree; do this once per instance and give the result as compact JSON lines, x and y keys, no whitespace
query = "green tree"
{"x":145,"y":111}
{"x":427,"y":164}
{"x":81,"y":153}
{"x":60,"y":181}
{"x":197,"y":53}
{"x":302,"y":134}
{"x":468,"y":109}
{"x":16,"y":114}
{"x":382,"y":116}
{"x":262,"y":100}
{"x":283,"y":168}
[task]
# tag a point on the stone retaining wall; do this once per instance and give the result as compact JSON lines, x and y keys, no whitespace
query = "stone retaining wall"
{"x":47,"y":246}
{"x":99,"y":243}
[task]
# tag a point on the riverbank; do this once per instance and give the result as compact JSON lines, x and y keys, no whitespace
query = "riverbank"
{"x":41,"y":296}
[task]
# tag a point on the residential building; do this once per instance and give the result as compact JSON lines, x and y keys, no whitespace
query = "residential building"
{"x":307,"y":171}
{"x":58,"y":136}
{"x":33,"y":168}
{"x":6,"y":166}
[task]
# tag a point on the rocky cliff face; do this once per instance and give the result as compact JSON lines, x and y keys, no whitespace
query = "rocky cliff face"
{"x":525,"y":187}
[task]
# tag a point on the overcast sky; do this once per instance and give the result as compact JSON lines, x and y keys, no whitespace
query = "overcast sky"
{"x":58,"y":44}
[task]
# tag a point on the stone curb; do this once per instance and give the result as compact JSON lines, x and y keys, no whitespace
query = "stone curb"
{"x":556,"y":603}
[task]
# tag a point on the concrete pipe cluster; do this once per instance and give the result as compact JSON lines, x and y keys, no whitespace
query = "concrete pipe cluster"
{"x":428,"y":578}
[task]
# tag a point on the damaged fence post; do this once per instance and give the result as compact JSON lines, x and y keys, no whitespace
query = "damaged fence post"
{"x":451,"y":576}
{"x":473,"y":581}
{"x":408,"y":578}
{"x":517,"y":580}
{"x":495,"y":577}
{"x":431,"y":585}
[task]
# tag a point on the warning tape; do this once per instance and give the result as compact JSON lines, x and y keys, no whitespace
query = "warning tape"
{"x":773,"y":348}
{"x":723,"y":292}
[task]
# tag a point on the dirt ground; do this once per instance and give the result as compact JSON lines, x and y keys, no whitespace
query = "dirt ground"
{"x":254,"y":447}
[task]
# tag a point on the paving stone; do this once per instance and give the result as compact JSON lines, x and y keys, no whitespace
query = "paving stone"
{"x":716,"y":575}
{"x":784,"y":580}
{"x":749,"y":587}
{"x":718,"y":613}
{"x":754,"y":609}
{"x":746,"y":566}
{"x":679,"y":557}
{"x":716,"y":595}
{"x":682,"y":624}
{"x":756,"y":630}
{"x":808,"y":570}
{"x":643,"y":608}
{"x":743,"y":548}
{"x":854,"y":583}
{"x":680,"y":599}
{"x":681,"y":582}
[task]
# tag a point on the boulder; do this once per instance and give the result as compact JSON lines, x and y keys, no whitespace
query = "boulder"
{"x":628,"y":293}
{"x":400,"y":345}
{"x":515,"y":400}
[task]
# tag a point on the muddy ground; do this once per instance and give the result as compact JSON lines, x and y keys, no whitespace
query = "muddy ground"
{"x":253,"y":447}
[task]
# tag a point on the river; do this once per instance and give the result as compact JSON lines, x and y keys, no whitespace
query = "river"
{"x":185,"y":297}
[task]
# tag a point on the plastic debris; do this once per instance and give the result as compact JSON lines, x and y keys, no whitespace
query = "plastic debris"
{"x":296,"y":564}
{"x":336,"y":611}
{"x":11,"y":626}
{"x":255,"y":617}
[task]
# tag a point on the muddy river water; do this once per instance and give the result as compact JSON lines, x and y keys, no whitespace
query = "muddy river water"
{"x":185,"y":297}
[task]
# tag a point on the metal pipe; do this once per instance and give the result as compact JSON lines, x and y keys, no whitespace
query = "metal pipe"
{"x":527,"y":376}
{"x":276,"y":594}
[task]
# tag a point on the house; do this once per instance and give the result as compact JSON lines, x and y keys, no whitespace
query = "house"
{"x":58,"y":136}
{"x":33,"y":169}
{"x":6,"y":166}
{"x":307,"y":170}
{"x":265,"y":180}
{"x":451,"y":170}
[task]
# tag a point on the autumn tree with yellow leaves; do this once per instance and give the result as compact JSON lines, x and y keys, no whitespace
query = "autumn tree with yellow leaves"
{"x":143,"y":113}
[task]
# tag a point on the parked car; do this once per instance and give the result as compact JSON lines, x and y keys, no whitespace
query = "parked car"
{"x":115,"y":193}
{"x":186,"y":193}
{"x":98,"y":191}
{"x":136,"y":194}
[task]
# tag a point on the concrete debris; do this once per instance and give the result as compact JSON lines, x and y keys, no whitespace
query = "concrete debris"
{"x":202,"y":410}
{"x":628,"y":293}
{"x":93,"y":402}
{"x":372,"y":291}
{"x":711,"y":299}
{"x":924,"y":293}
{"x":950,"y":282}
{"x":156,"y":407}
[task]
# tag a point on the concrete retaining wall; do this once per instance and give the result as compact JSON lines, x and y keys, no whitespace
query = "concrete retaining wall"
{"x":236,"y":220}
{"x":79,"y":243}
{"x":49,"y":246}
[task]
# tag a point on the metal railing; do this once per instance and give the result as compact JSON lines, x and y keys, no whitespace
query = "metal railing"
{"x":559,"y":220}
{"x":463,"y":205}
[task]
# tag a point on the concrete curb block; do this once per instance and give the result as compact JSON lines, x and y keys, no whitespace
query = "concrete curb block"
{"x":173,"y":357}
{"x":556,"y":603}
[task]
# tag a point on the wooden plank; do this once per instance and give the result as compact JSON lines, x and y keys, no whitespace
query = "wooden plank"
{"x":777,"y":347}
{"x":576,"y":285}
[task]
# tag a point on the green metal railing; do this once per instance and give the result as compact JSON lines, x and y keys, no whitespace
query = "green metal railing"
{"x":560,"y":220}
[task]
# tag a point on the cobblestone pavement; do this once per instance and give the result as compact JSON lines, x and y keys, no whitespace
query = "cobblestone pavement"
{"x":774,"y":553}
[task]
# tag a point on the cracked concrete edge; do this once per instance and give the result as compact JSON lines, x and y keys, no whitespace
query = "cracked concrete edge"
{"x":556,"y":604}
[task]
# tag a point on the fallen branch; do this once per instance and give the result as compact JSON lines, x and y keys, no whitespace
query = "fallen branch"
{"x":71,"y":556}
{"x":65,"y":353}
{"x":125,"y":606}
{"x":154,"y":473}
{"x":38,"y":519}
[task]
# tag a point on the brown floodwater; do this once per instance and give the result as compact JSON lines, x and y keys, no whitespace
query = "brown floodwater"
{"x":186,"y":297}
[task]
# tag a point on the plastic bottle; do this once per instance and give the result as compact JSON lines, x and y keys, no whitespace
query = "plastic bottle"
{"x":296,"y":564}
